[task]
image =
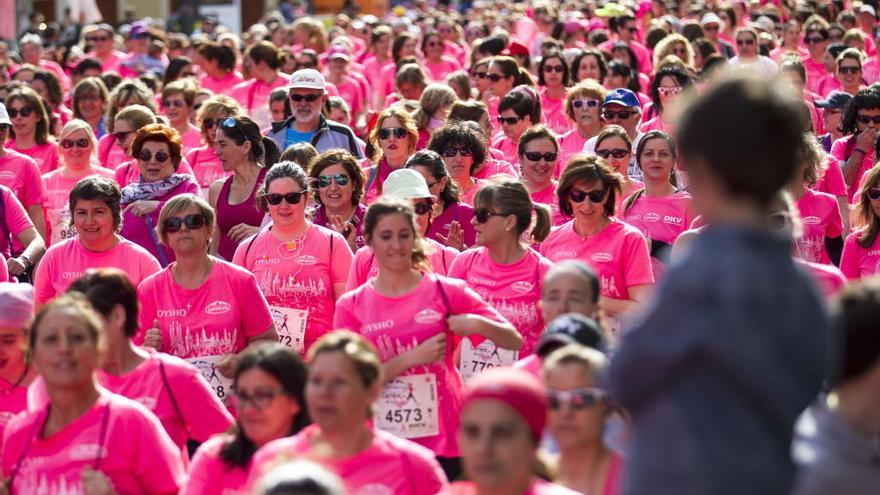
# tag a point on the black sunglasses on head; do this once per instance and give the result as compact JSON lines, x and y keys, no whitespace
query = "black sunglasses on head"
{"x":194,"y":221}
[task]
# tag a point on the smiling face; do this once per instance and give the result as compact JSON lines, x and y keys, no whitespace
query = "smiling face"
{"x":91,"y":106}
{"x":154,"y":169}
{"x":93,"y":221}
{"x":393,"y":240}
{"x":176,"y":109}
{"x":76,"y":157}
{"x":65,"y":353}
{"x":588,"y":213}
{"x":497,"y":446}
{"x":269,"y":413}
{"x":849,"y":73}
{"x":285,"y":215}
{"x":336,"y":396}
{"x":334,"y":196}
{"x":614,"y":144}
{"x":499,"y":83}
{"x":433,"y":47}
{"x":537,"y":173}
{"x":24,"y":125}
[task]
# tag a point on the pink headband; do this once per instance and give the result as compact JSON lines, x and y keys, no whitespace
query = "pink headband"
{"x":518,"y":389}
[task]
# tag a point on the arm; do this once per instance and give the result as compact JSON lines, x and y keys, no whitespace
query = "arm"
{"x":615,"y":307}
{"x":213,"y":195}
{"x":843,"y":206}
{"x":503,"y":334}
{"x":864,"y":143}
{"x":34,"y":247}
{"x":429,"y":351}
{"x":35,"y":212}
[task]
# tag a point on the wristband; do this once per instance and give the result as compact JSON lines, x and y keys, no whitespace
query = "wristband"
{"x":863,"y":152}
{"x":24,"y":260}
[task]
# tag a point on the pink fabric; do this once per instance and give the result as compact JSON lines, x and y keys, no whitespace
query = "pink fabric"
{"x":17,"y":219}
{"x":513,"y":289}
{"x":229,"y":215}
{"x":253,"y":95}
{"x":531,"y":364}
{"x":571,"y":143}
{"x":20,"y":173}
{"x":619,"y":254}
{"x":214,"y":319}
{"x":135,"y":453}
{"x":841,"y":149}
{"x":68,"y":260}
{"x":56,"y":69}
{"x":14,"y":399}
{"x":815,"y":73}
{"x":299,"y":275}
{"x":456,"y":212}
{"x":110,"y":62}
{"x":417,"y":316}
{"x":57,"y":205}
{"x":220,"y":86}
{"x":208,"y":473}
{"x":857,"y":262}
{"x":538,"y":487}
{"x":469,"y":195}
{"x":547,"y":196}
{"x":365,"y":267}
{"x":661,"y":218}
{"x":110,"y":154}
{"x":828,"y":84}
{"x":192,"y":139}
{"x":438,"y":72}
{"x":201,"y":413}
{"x":389,"y":465}
{"x":136,"y":229}
{"x":352,"y":93}
{"x":508,"y":147}
{"x":45,"y":155}
{"x":643,"y":54}
{"x":206,"y":167}
{"x":828,"y":278}
{"x":494,"y":166}
{"x":553,"y":113}
{"x":871,"y":70}
{"x":832,"y":181}
{"x":656,"y":124}
{"x":821,"y":218}
{"x":373,"y":70}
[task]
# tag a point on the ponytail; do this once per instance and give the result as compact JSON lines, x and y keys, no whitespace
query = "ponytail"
{"x":630,"y":201}
{"x":542,"y":222}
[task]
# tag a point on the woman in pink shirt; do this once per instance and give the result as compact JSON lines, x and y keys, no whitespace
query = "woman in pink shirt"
{"x":861,"y":251}
{"x":538,"y":154}
{"x":205,"y":163}
{"x":582,"y":107}
{"x":339,"y":180}
{"x":111,"y":152}
{"x":855,"y":151}
{"x":345,"y":379}
{"x":89,"y":103}
{"x":263,"y":61}
{"x":416,"y":341}
{"x":170,"y":388}
{"x":504,"y":74}
{"x":379,"y":60}
{"x":85,"y":439}
{"x":463,"y":149}
{"x":578,"y":410}
{"x":79,"y":160}
{"x":393,"y":140}
{"x":504,"y":270}
{"x":660,"y":209}
{"x":101,"y":39}
{"x":667,"y":85}
{"x":614,"y":146}
{"x":617,"y":251}
{"x":217,"y":62}
{"x":20,"y":173}
{"x":476,"y":115}
{"x":436,"y":64}
{"x":177,"y":105}
{"x":270,"y":400}
{"x":31,"y":128}
{"x":433,"y":111}
{"x":94,"y":204}
{"x":553,"y":79}
{"x":848,"y":72}
{"x":16,"y":372}
{"x":517,"y":111}
{"x":300,"y":267}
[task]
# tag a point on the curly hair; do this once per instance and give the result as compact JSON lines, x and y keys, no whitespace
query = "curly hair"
{"x":458,"y":133}
{"x":348,"y":162}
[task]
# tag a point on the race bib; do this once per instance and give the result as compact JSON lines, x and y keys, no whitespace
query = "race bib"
{"x":207,"y":366}
{"x":291,"y":326}
{"x":482,"y":357}
{"x":407,"y":406}
{"x":61,"y":228}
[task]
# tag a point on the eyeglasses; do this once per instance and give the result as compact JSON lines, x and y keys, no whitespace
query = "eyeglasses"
{"x":79,"y":143}
{"x":160,"y":156}
{"x":616,"y":153}
{"x":386,"y":132}
{"x":311,"y":98}
{"x":450,"y":152}
{"x":121,"y":135}
{"x":433,"y":43}
{"x":669,"y":90}
{"x":173,"y":103}
{"x":24,"y":112}
{"x":422,"y":208}
{"x":534,"y":156}
{"x":194,"y":221}
{"x":587,"y":102}
{"x":812,"y":40}
{"x":849,"y":69}
{"x":866,"y":119}
{"x":482,"y":215}
{"x":495,"y":77}
{"x":292,"y":198}
{"x":620,"y":114}
{"x":596,"y":196}
{"x":745,"y":41}
{"x":259,"y":400}
{"x":874,"y":193}
{"x":326,"y":180}
{"x":480,"y":75}
{"x":632,"y":29}
{"x":94,"y":39}
{"x":554,"y":68}
{"x":577,"y":399}
{"x":508,"y":120}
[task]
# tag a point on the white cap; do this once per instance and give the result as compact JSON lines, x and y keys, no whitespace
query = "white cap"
{"x":406,"y":183}
{"x":307,"y":79}
{"x":867,"y":9}
{"x":4,"y":115}
{"x":710,"y":18}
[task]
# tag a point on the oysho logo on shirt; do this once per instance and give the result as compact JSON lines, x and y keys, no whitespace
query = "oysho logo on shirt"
{"x":218,"y":307}
{"x":306,"y":259}
{"x":652,"y":217}
{"x":87,"y":452}
{"x":522,"y":287}
{"x":602,"y":257}
{"x":564,"y":255}
{"x":427,"y":316}
{"x":481,"y":281}
{"x":171,"y":313}
{"x":71,"y":275}
{"x":874,"y":252}
{"x":811,"y":220}
{"x":378,"y":325}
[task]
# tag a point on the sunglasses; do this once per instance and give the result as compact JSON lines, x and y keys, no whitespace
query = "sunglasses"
{"x":585,"y":102}
{"x":173,"y":103}
{"x":292,"y":198}
{"x":79,"y":143}
{"x":669,"y":90}
{"x":495,"y":77}
{"x":140,"y":36}
{"x":433,"y":43}
{"x":620,"y":114}
{"x":535,"y":156}
{"x":209,"y":123}
{"x":865,"y":119}
{"x":596,"y":196}
{"x":326,"y":180}
{"x":24,"y":112}
{"x":874,"y":193}
{"x":160,"y":156}
{"x":311,"y":98}
{"x":508,"y":120}
{"x":480,"y":75}
{"x":450,"y":152}
{"x":192,"y":222}
{"x":812,"y":40}
{"x":482,"y":215}
{"x":616,"y":153}
{"x":422,"y":208}
{"x":386,"y":132}
{"x":93,"y":39}
{"x":577,"y":399}
{"x":747,"y":42}
{"x":851,"y":69}
{"x":121,"y":135}
{"x":554,"y":68}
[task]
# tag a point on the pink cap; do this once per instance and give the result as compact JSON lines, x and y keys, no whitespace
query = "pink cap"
{"x":518,"y":389}
{"x":16,"y":305}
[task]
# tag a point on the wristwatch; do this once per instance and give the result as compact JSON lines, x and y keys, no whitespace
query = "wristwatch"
{"x":25,"y":260}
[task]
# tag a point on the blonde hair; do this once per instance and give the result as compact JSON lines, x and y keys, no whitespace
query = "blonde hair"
{"x":179,"y":203}
{"x":357,"y":349}
{"x":81,"y":125}
{"x":406,"y":121}
{"x":434,"y":97}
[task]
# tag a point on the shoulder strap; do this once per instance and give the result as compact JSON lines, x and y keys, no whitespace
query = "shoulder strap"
{"x":102,"y":436}
{"x":171,"y":396}
{"x":443,"y":296}
{"x":6,"y":233}
{"x":371,"y":178}
{"x":331,"y":248}
{"x":247,"y":250}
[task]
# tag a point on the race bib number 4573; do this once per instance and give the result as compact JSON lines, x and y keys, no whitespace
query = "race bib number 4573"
{"x":407,"y":406}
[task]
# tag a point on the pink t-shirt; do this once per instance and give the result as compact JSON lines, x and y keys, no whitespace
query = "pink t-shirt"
{"x":661,"y":219}
{"x":571,"y":143}
{"x":619,"y":254}
{"x":116,"y":436}
{"x":438,"y":72}
{"x":821,"y":218}
{"x":214,"y":319}
{"x":513,"y":289}
{"x":13,"y":399}
{"x":871,"y":70}
{"x":373,"y":70}
{"x":298,"y":275}
{"x":110,"y":154}
{"x":16,"y":217}
{"x":253,"y":95}
{"x":815,"y":73}
{"x":456,"y":212}
{"x":110,"y":62}
{"x":20,"y":173}
{"x":220,"y":86}
{"x":532,"y":364}
{"x":538,"y":487}
{"x":45,"y":155}
{"x":553,"y":113}
{"x":857,"y":262}
{"x":57,"y":205}
{"x":418,"y":316}
{"x":365,"y":267}
{"x":467,"y":196}
{"x":67,"y":260}
{"x":351,"y":92}
{"x":208,"y":473}
{"x":206,"y":166}
{"x":832,"y":181}
{"x":828,"y":278}
{"x":390,"y":465}
{"x":494,"y":166}
{"x":547,"y":196}
{"x":841,"y":149}
{"x":192,"y":138}
{"x":508,"y":147}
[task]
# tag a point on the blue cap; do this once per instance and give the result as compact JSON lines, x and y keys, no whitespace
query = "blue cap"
{"x":836,"y":100}
{"x":623,"y":97}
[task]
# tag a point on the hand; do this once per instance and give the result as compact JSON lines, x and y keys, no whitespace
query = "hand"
{"x":15,"y":266}
{"x":429,"y":351}
{"x":241,"y":232}
{"x":153,"y":337}
{"x":228,"y":365}
{"x":4,"y":490}
{"x":96,"y":483}
{"x":142,"y":208}
{"x":464,"y":325}
{"x":865,"y":139}
{"x":345,"y":228}
{"x":455,"y":239}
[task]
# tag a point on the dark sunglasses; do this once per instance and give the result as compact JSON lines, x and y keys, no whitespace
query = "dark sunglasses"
{"x":79,"y":143}
{"x":535,"y":156}
{"x":326,"y":180}
{"x":386,"y":132}
{"x":596,"y":196}
{"x":620,"y":114}
{"x":192,"y":222}
{"x":482,"y":215}
{"x":747,"y":41}
{"x":311,"y":98}
{"x":422,"y":208}
{"x":480,"y":75}
{"x":450,"y":152}
{"x":508,"y":120}
{"x":849,"y":70}
{"x":173,"y":103}
{"x":93,"y":39}
{"x":209,"y":123}
{"x":554,"y":68}
{"x":587,"y":102}
{"x":140,"y":36}
{"x":874,"y":194}
{"x":24,"y":112}
{"x":812,"y":40}
{"x":577,"y":399}
{"x":292,"y":198}
{"x":121,"y":135}
{"x":616,"y":153}
{"x":160,"y":156}
{"x":865,"y":119}
{"x":495,"y":77}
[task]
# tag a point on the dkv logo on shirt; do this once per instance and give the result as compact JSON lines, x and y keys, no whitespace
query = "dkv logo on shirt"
{"x":427,"y":316}
{"x":218,"y":307}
